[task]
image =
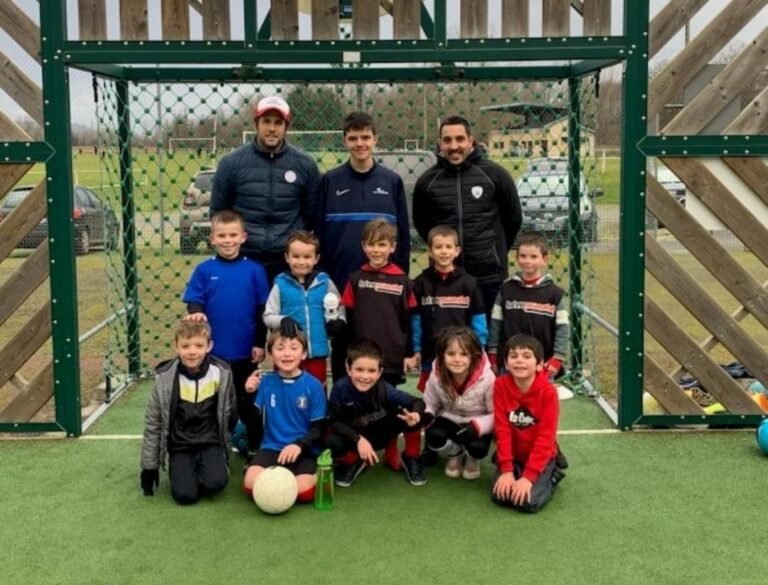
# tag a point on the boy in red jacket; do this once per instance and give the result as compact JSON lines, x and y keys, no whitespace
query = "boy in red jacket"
{"x":526,"y":410}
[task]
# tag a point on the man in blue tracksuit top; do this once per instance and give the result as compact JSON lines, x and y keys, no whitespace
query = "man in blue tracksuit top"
{"x":350,"y":196}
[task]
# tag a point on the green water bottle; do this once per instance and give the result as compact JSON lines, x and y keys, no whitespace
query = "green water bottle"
{"x":324,"y":487}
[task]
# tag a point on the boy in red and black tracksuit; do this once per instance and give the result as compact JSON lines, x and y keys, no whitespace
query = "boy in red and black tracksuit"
{"x":446,"y":296}
{"x":379,"y":301}
{"x":526,"y":412}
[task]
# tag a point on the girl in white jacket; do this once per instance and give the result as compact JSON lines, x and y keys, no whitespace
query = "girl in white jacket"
{"x":459,"y":394}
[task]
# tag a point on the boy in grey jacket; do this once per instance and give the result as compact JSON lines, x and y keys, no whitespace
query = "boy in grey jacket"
{"x":189,"y":416}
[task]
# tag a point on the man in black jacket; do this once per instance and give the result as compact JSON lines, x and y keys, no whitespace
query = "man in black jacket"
{"x":476,"y":197}
{"x":272,"y":184}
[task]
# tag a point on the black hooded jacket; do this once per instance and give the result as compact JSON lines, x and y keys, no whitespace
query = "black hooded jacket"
{"x":479,"y":199}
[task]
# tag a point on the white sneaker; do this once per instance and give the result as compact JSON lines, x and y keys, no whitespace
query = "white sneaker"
{"x":471,"y":468}
{"x":454,"y":465}
{"x":563,"y":392}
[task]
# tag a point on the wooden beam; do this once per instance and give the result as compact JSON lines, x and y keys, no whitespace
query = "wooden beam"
{"x":325,"y":20}
{"x":10,"y":130}
{"x":20,"y":27}
{"x":21,"y":89}
{"x":406,"y":15}
{"x":175,"y":16}
{"x":197,"y":5}
{"x":710,"y":342}
{"x":27,"y":404}
{"x":597,"y":18}
{"x":669,"y":20}
{"x":134,"y":24}
{"x":22,"y":219}
{"x":10,"y":175}
{"x":515,"y":18}
{"x":707,"y":250}
{"x":474,"y":19}
{"x":707,"y":311}
{"x":216,"y":25}
{"x":722,"y":90}
{"x":696,"y":361}
{"x":667,"y":391}
{"x":23,"y":345}
{"x":724,"y":204}
{"x":23,"y":282}
{"x":365,"y":19}
{"x":753,"y":119}
{"x":556,"y":18}
{"x":753,"y":171}
{"x":681,"y":70}
{"x":285,"y":20}
{"x":92,"y":18}
{"x":578,"y":6}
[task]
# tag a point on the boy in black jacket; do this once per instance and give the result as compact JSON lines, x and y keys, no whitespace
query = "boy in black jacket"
{"x":446,"y":296}
{"x":367,"y":413}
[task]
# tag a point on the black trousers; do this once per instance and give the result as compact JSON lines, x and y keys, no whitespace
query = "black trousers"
{"x":241,"y":369}
{"x":339,"y":346}
{"x":489,"y":292}
{"x":197,"y":471}
{"x":444,"y":430}
{"x":378,"y":435}
{"x":541,"y":492}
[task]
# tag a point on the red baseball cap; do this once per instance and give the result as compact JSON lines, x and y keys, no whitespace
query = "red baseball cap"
{"x":275,"y":103}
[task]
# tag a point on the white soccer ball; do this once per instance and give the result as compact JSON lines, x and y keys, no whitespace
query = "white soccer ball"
{"x":275,"y":490}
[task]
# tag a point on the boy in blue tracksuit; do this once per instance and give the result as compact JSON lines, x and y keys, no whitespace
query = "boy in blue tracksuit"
{"x":306,"y":298}
{"x":349,"y":196}
{"x":229,"y":291}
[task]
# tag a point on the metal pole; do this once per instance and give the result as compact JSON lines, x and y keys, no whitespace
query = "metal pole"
{"x":128,"y":206}
{"x":575,"y":227}
{"x":632,"y":222}
{"x":63,"y":269}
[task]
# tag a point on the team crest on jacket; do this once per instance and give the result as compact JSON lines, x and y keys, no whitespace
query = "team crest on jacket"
{"x":522,"y":418}
{"x":290,"y":176}
{"x":477,"y":191}
{"x":301,"y":402}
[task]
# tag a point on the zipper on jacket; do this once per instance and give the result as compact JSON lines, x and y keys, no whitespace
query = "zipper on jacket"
{"x":460,"y":210}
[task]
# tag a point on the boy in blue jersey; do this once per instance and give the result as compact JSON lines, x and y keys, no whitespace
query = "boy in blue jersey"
{"x":292,"y":408}
{"x":366,"y":413}
{"x":229,"y":291}
{"x":349,"y":196}
{"x":306,"y":298}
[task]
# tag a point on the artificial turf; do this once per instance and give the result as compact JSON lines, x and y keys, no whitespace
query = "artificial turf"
{"x":660,"y":507}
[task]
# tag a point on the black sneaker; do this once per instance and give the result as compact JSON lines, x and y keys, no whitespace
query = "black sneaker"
{"x":429,"y":457}
{"x":345,"y":474}
{"x":414,"y":470}
{"x":560,"y":461}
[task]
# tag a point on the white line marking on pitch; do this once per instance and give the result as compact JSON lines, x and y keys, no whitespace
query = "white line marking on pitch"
{"x":562,"y":433}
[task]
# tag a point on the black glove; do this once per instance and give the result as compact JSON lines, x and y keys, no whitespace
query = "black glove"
{"x":150,"y":479}
{"x":335,"y":327}
{"x":466,"y":434}
{"x":289,"y":327}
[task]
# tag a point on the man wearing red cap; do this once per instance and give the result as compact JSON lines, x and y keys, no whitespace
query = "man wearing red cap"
{"x":272,"y":184}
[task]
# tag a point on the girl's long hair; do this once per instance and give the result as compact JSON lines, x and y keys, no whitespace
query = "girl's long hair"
{"x":467,"y":341}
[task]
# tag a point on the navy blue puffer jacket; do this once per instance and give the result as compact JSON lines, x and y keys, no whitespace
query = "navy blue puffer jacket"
{"x":276,"y":193}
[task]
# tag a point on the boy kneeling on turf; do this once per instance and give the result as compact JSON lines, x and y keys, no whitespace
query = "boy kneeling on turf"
{"x":526,"y":411}
{"x":189,"y":417}
{"x":367,"y":413}
{"x":291,"y":405}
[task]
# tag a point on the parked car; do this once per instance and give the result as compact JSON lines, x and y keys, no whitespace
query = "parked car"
{"x":544,"y":197}
{"x":671,"y":183}
{"x":95,"y":223}
{"x":195,"y":220}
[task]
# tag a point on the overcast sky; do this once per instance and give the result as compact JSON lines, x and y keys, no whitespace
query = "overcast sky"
{"x":82,"y":104}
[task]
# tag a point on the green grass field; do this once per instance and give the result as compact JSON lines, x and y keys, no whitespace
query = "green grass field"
{"x":635,"y":508}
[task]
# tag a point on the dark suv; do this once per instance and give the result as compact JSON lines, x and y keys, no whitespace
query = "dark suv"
{"x":95,"y":223}
{"x":544,"y":197}
{"x":195,"y":220}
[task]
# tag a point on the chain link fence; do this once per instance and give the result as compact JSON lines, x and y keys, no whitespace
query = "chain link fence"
{"x":177,"y":132}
